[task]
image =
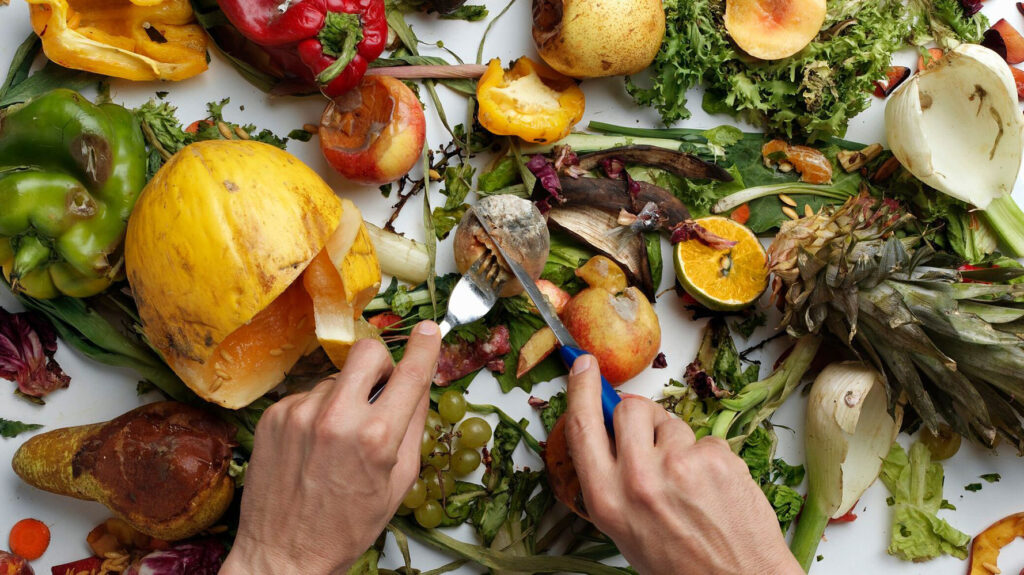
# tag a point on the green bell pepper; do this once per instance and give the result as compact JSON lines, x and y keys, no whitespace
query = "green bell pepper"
{"x":70,"y":172}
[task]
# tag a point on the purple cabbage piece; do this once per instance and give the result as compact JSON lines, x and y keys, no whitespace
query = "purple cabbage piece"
{"x":545,"y":172}
{"x":27,"y":345}
{"x":971,"y":7}
{"x":203,"y":557}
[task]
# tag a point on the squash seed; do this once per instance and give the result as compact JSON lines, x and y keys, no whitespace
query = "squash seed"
{"x":787,"y":200}
{"x":790,"y":213}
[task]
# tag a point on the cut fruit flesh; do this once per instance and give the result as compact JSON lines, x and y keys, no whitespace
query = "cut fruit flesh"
{"x":253,"y":359}
{"x":351,"y":251}
{"x":535,"y":350}
{"x":773,"y":29}
{"x":723,"y":279}
{"x":335,"y":317}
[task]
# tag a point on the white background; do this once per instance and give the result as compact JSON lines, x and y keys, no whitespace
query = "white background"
{"x":98,"y":393}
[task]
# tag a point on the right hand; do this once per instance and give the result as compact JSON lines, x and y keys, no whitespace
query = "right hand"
{"x":671,"y":504}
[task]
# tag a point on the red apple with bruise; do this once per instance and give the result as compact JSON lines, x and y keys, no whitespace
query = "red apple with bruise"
{"x":620,"y":330}
{"x":374,"y":133}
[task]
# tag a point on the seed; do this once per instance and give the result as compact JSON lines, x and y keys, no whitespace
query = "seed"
{"x":785,"y":167}
{"x":301,"y":323}
{"x":435,"y":176}
{"x":222,"y":374}
{"x":226,"y":356}
{"x":276,"y":352}
{"x":242,"y":133}
{"x":288,"y":346}
{"x":225,"y":131}
{"x":217,"y":382}
{"x":311,"y":128}
{"x":808,"y":212}
{"x":790,"y":213}
{"x":991,"y":568}
{"x":787,"y":200}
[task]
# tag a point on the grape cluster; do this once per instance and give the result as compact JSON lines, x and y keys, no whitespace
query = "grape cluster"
{"x":450,"y":448}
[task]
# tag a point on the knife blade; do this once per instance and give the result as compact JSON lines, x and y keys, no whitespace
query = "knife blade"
{"x":568,"y":349}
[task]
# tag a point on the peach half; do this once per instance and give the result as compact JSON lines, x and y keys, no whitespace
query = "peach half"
{"x":773,"y":29}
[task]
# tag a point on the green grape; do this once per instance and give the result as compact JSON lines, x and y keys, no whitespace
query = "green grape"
{"x":434,"y":423}
{"x":416,"y":495}
{"x":403,"y":510}
{"x":427,"y":443}
{"x":429,"y":515}
{"x":452,"y":406}
{"x":475,"y":432}
{"x":465,"y":461}
{"x":438,"y":458}
{"x":438,"y":484}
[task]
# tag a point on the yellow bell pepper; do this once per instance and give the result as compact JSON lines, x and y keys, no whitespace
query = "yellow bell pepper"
{"x":530,"y":100}
{"x":131,"y":39}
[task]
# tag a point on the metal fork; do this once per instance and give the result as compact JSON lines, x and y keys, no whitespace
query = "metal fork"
{"x":472,"y":297}
{"x":475,"y":293}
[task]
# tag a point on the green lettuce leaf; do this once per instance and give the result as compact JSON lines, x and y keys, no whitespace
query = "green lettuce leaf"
{"x":915,"y":482}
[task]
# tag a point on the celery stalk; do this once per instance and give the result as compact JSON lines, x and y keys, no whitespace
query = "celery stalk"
{"x":1006,"y":219}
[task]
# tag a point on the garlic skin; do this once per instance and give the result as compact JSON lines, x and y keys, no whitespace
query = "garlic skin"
{"x":956,"y":126}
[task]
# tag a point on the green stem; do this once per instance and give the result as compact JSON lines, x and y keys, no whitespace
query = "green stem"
{"x":682,"y":134}
{"x":502,"y":561}
{"x":340,"y":35}
{"x":723,"y":423}
{"x":809,"y":530}
{"x":794,"y":188}
{"x":416,"y":298}
{"x":596,"y":142}
{"x":1007,"y":221}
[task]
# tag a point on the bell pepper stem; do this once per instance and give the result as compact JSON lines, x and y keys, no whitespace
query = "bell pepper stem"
{"x":809,"y":530}
{"x":31,"y":254}
{"x":1006,"y":219}
{"x":340,"y":35}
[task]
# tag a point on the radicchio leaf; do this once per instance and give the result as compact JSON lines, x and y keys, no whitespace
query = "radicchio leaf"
{"x":567,"y":162}
{"x":691,"y":230}
{"x":27,"y":345}
{"x":460,"y":357}
{"x":545,"y":172}
{"x":702,"y":383}
{"x":202,"y":557}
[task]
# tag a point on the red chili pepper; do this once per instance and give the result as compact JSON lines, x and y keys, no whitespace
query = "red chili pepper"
{"x":87,"y":565}
{"x":329,"y":42}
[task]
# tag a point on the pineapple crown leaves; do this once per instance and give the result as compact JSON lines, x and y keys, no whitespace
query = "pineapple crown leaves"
{"x":952,"y":349}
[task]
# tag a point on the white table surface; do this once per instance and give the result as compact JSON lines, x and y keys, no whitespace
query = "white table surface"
{"x":98,"y":393}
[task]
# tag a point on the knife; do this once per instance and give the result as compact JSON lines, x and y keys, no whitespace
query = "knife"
{"x":568,"y":349}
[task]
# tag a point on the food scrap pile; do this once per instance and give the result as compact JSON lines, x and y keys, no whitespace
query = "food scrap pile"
{"x":893,"y":270}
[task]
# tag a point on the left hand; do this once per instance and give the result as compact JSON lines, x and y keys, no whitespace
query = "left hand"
{"x":328,"y":469}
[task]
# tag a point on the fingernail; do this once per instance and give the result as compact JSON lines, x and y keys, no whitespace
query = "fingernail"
{"x":582,"y":364}
{"x":426,"y":328}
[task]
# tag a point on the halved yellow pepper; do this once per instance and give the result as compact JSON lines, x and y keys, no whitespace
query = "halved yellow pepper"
{"x":131,"y":39}
{"x":529,"y":100}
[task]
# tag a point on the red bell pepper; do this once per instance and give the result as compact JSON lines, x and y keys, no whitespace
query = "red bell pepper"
{"x":329,"y":42}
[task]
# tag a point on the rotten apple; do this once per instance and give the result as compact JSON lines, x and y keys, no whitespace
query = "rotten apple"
{"x":374,"y":133}
{"x":613,"y":322}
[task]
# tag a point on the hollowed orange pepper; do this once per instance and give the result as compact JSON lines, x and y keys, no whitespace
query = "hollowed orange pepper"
{"x":529,"y":100}
{"x":131,"y":39}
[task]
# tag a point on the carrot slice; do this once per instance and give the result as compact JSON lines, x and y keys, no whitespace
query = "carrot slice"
{"x":29,"y":538}
{"x":741,"y":214}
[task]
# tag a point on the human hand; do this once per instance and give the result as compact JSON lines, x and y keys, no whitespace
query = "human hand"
{"x":671,"y":504}
{"x":328,"y":469}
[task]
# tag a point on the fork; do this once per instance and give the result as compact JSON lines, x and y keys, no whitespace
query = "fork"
{"x":472,"y":297}
{"x":475,"y":293}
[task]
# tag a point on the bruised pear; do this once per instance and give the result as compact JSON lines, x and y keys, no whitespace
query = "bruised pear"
{"x":162,"y":467}
{"x":597,"y":38}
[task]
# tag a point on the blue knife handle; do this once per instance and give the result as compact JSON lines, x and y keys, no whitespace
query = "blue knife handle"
{"x":609,"y":398}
